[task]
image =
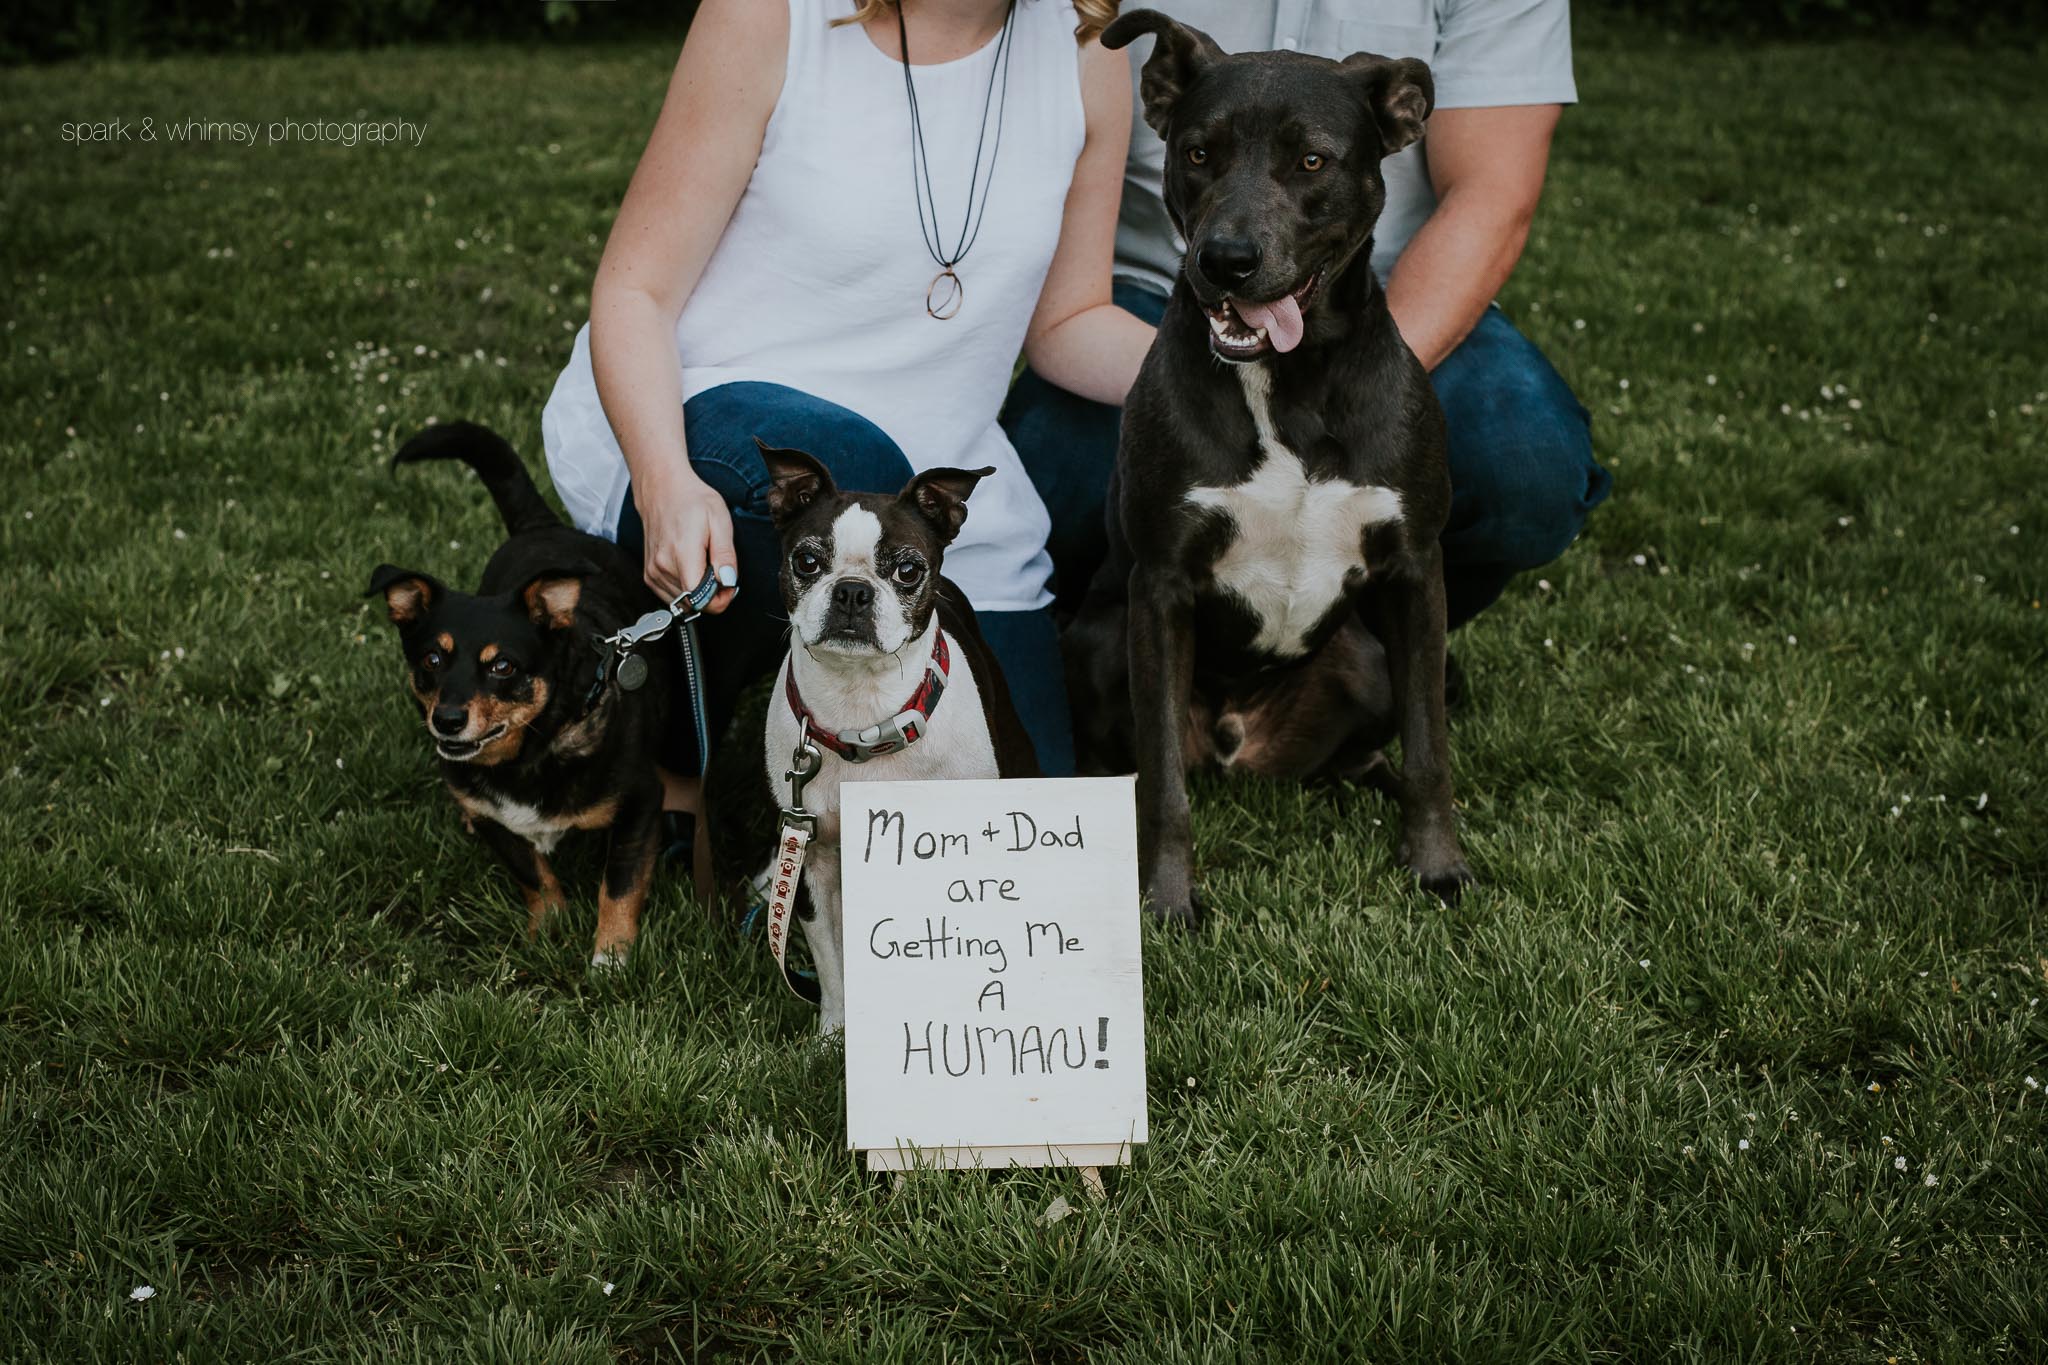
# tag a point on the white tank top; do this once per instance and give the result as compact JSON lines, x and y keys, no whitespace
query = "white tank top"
{"x":819,"y":281}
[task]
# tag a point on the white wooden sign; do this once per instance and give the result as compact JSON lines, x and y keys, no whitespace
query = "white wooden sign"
{"x":995,"y":1011}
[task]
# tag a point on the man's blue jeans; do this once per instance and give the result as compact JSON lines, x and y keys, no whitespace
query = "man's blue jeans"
{"x":1523,"y":476}
{"x":748,"y":639}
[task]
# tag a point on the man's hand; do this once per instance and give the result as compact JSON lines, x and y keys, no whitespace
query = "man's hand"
{"x":1487,"y":166}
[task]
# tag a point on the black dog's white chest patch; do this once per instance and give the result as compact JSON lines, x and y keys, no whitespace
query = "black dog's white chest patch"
{"x":1300,"y":542}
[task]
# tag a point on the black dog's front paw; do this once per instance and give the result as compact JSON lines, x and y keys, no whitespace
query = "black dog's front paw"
{"x":1188,"y":914}
{"x":1447,"y":881}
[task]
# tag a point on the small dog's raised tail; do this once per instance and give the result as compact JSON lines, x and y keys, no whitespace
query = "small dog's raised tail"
{"x":495,"y":462}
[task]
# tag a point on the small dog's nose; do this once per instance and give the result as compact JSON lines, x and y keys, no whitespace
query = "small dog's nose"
{"x":1228,"y":260}
{"x":450,"y":720}
{"x":851,"y":595}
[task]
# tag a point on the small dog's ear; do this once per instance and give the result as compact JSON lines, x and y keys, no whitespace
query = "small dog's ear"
{"x":407,"y":595}
{"x":940,"y":496}
{"x":800,"y":480}
{"x":551,"y":597}
{"x":1401,"y":93}
{"x":1176,"y":62}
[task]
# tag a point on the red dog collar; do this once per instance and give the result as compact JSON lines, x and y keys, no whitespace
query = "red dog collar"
{"x":898,"y":732}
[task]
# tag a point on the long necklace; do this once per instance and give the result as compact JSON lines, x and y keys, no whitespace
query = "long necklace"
{"x":945,"y":294}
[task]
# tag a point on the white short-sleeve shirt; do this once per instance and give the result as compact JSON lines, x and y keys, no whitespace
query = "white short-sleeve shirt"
{"x":1481,"y":53}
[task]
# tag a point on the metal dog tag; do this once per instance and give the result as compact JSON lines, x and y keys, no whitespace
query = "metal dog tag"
{"x":632,"y":673}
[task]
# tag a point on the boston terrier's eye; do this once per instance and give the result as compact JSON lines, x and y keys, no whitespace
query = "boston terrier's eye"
{"x":806,"y":564}
{"x":909,"y":573}
{"x":1312,"y":162}
{"x":433,"y":660}
{"x":502,"y":668}
{"x":1198,"y":156}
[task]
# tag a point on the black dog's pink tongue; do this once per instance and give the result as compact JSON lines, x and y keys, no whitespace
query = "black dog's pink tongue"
{"x":1281,"y":318}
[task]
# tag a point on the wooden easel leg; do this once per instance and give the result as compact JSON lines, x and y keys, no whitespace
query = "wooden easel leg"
{"x":1091,"y":1181}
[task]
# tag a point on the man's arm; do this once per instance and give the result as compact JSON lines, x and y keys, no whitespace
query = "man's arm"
{"x":1487,"y":166}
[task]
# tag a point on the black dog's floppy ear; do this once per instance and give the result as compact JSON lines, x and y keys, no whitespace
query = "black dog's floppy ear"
{"x":940,"y":496}
{"x":407,"y":595}
{"x":800,"y":480}
{"x":551,"y":596}
{"x":1402,"y":94}
{"x":1177,"y":59}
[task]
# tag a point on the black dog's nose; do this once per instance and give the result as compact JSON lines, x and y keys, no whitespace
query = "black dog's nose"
{"x":450,"y":720}
{"x":851,"y":595}
{"x":1228,"y":260}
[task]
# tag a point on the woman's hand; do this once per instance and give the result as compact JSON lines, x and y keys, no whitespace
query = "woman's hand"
{"x":686,"y":527}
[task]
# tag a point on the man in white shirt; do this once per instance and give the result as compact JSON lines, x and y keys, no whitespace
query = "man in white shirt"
{"x":1458,"y":209}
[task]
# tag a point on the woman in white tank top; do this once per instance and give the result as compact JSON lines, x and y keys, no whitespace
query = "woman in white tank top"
{"x":769,"y":275}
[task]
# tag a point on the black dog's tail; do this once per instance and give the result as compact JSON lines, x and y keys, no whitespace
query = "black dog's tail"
{"x":495,"y":462}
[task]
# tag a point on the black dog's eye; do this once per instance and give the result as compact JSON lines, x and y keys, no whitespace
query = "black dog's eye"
{"x":1312,"y":162}
{"x":806,"y":564}
{"x":502,"y":668}
{"x":433,"y":660}
{"x":1198,"y":156}
{"x":909,"y":573}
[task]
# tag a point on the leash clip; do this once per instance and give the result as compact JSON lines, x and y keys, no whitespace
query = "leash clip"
{"x":805,"y":761}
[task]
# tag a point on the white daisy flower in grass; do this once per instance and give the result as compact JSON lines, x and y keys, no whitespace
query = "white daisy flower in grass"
{"x":142,"y":1293}
{"x":1930,"y":1182}
{"x":1742,"y":1145}
{"x":1898,"y":1163}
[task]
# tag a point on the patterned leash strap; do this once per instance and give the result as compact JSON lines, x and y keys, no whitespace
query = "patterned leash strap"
{"x":792,"y":838}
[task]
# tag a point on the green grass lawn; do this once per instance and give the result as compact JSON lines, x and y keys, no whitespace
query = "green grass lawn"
{"x":1734,"y":1054}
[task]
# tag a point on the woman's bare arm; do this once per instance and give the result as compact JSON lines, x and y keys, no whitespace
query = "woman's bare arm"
{"x":1078,"y":339}
{"x":690,"y":178}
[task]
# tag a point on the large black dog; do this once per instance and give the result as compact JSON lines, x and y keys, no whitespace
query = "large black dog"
{"x":1281,"y":482}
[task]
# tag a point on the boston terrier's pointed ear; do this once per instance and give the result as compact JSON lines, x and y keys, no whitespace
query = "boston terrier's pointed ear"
{"x":1401,"y":93}
{"x":407,"y":595}
{"x":800,"y":480}
{"x":940,"y":496}
{"x":1177,"y":60}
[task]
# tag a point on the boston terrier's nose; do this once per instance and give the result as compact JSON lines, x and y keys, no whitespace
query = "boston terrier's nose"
{"x":852,"y":596}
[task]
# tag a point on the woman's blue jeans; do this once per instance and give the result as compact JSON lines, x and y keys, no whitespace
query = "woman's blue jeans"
{"x":1523,"y":476}
{"x":747,"y":640}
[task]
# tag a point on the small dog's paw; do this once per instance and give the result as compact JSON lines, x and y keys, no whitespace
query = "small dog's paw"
{"x":1448,"y":882}
{"x":610,"y":959}
{"x":831,"y":1025}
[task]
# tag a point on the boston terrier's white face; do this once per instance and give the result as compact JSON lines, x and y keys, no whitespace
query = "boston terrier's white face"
{"x":857,"y":590}
{"x":860,"y":571}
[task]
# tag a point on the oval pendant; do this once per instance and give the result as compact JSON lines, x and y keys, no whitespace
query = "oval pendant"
{"x":945,"y":295}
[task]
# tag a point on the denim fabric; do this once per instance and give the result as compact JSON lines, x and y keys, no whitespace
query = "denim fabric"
{"x":1523,"y":476}
{"x":747,"y":640}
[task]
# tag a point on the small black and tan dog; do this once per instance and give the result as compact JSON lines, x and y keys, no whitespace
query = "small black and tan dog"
{"x":534,"y":742}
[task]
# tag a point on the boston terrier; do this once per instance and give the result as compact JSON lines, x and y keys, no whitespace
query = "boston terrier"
{"x":1281,"y":482}
{"x":887,"y":673}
